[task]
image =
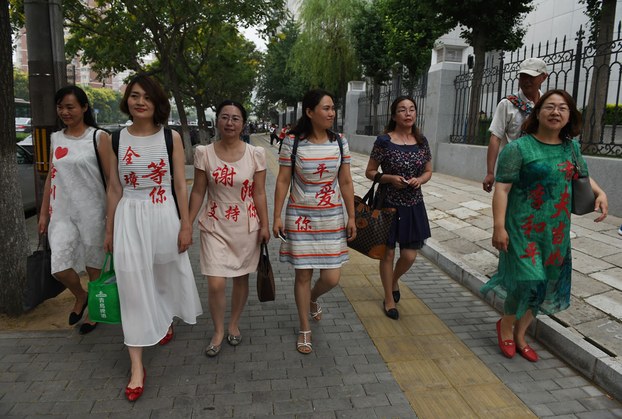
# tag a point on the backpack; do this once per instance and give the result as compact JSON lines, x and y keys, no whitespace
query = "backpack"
{"x":332,"y":134}
{"x":99,"y":162}
{"x":168,"y":139}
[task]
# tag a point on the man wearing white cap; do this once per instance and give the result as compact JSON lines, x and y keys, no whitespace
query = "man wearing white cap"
{"x":512,"y":111}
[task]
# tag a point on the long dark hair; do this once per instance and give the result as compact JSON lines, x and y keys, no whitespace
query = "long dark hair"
{"x":161,"y":105}
{"x":310,"y":100}
{"x":228,"y":102}
{"x":83,"y":100}
{"x":392,"y":124}
{"x":570,"y":130}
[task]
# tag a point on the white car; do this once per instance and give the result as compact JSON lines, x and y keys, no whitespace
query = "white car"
{"x":23,"y":124}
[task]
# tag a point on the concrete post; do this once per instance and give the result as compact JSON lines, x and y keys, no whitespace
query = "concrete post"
{"x":356,"y":89}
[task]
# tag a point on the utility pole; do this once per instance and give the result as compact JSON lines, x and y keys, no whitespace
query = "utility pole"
{"x":47,"y":73}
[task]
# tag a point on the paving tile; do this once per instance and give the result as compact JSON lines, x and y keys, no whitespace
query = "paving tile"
{"x":609,"y":302}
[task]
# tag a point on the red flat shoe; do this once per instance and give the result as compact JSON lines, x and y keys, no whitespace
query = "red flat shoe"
{"x":134,"y":394}
{"x":508,"y":347}
{"x":168,"y":337}
{"x":528,"y":353}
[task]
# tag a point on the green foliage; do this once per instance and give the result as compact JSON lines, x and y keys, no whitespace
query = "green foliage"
{"x":324,"y":54}
{"x":106,"y":102}
{"x":369,"y":34}
{"x":20,"y":85}
{"x":16,"y":15}
{"x":279,"y":83}
{"x":613,"y":115}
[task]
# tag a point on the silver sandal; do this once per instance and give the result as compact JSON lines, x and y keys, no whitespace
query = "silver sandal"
{"x":305,"y":347}
{"x":316,"y":315}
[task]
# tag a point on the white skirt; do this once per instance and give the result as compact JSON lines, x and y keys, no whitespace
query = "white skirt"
{"x":155,"y":282}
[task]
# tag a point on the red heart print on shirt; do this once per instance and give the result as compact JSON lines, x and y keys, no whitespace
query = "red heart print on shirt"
{"x":60,"y":152}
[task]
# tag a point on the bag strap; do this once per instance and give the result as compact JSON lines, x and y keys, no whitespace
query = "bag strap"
{"x":520,"y":104}
{"x":335,"y":137}
{"x":99,"y":162}
{"x":575,"y":160}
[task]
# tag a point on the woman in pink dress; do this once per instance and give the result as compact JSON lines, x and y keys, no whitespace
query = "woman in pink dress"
{"x":233,"y":222}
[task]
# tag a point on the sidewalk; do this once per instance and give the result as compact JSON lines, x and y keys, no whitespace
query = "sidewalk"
{"x":440,"y":360}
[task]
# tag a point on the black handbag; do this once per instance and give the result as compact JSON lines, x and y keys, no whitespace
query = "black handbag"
{"x":265,"y":276}
{"x":40,"y":283}
{"x":583,"y":198}
{"x":373,"y":223}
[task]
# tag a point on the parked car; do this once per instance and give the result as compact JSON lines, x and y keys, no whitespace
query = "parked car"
{"x":26,"y":175}
{"x":23,"y":124}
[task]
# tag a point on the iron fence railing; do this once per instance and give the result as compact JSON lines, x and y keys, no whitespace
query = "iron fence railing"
{"x":583,"y":70}
{"x":374,"y":114}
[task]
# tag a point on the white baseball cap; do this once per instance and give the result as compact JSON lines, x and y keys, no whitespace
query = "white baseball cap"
{"x":532,"y":67}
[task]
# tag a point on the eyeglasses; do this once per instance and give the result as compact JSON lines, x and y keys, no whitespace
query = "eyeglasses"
{"x":560,"y":109}
{"x":233,"y":118}
{"x":405,"y":110}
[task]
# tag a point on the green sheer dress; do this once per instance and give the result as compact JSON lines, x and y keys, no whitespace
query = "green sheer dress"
{"x":535,"y":272}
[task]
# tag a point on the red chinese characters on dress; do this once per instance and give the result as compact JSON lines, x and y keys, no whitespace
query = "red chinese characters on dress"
{"x":53,"y":173}
{"x":554,"y":259}
{"x":321,"y":169}
{"x":224,"y":175}
{"x":157,"y":171}
{"x":53,"y":192}
{"x":252,"y":210}
{"x":536,"y":196}
{"x":568,"y":169}
{"x":303,"y":223}
{"x":562,"y":205}
{"x":248,"y":189}
{"x":531,"y":252}
{"x":129,"y":155}
{"x":212,"y":211}
{"x":131,"y":179}
{"x":558,"y":233}
{"x":232,"y":213}
{"x":529,"y":226}
{"x":324,"y":195}
{"x":157,"y":195}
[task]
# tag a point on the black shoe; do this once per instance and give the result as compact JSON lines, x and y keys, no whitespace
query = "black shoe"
{"x":86,"y":328}
{"x":391,"y":313}
{"x":76,"y":317}
{"x":397,"y":296}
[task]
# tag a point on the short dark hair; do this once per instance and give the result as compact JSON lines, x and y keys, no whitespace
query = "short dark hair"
{"x":83,"y":100}
{"x":570,"y":130}
{"x":161,"y":105}
{"x":310,"y":100}
{"x":392,"y":124}
{"x":229,"y":102}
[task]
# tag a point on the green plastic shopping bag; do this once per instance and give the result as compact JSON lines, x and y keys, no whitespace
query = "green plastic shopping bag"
{"x":104,"y":304}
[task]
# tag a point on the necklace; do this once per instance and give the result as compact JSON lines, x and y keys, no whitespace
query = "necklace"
{"x":402,"y":139}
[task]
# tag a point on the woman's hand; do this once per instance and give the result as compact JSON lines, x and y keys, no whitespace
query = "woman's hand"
{"x":43,"y":223}
{"x":351,"y":229}
{"x":184,"y":239}
{"x":500,"y":239}
{"x":108,"y":243}
{"x":398,"y":182}
{"x":264,"y":235}
{"x":277,"y":226}
{"x":601,"y":205}
{"x":415,"y":182}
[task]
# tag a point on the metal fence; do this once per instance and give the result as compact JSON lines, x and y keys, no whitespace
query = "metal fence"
{"x":373,"y":116}
{"x":574,"y":66}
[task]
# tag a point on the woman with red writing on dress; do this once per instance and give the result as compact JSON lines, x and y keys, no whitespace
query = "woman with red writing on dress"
{"x":315,"y":229}
{"x":233,"y":222}
{"x":74,"y":198}
{"x":531,"y":214}
{"x":148,"y":235}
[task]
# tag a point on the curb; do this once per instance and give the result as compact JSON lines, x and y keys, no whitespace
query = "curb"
{"x":590,"y":361}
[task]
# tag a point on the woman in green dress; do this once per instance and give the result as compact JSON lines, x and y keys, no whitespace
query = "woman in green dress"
{"x":531,"y":213}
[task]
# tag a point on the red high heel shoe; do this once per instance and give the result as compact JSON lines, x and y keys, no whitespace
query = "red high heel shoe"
{"x":168,"y":337}
{"x":134,"y":394}
{"x":508,"y":347}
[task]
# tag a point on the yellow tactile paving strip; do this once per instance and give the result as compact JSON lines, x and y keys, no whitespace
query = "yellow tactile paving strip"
{"x":440,"y":376}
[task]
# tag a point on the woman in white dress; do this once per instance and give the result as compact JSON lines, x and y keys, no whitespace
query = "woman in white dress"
{"x":74,"y":199}
{"x":143,"y":230}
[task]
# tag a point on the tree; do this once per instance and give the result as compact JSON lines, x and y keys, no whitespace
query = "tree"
{"x":324,"y":53}
{"x":158,"y":27}
{"x":485,"y":28}
{"x":279,"y":83}
{"x":602,"y":15}
{"x":20,"y":85}
{"x":105,"y":103}
{"x":13,"y":237}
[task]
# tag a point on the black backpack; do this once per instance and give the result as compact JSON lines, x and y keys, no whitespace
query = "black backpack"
{"x":168,"y":139}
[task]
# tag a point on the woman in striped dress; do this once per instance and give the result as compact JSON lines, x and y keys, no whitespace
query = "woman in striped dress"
{"x":314,"y":231}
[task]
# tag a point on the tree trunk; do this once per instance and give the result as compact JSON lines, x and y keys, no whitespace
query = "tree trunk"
{"x":204,"y":135}
{"x":13,"y":237}
{"x":476,"y":91}
{"x":597,"y":102}
{"x":183,"y":120}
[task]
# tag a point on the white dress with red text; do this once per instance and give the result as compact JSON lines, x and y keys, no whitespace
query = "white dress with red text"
{"x":155,"y":282}
{"x":228,"y":221}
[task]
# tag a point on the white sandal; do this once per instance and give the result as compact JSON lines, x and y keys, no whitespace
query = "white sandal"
{"x":316,"y":315}
{"x":305,"y":347}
